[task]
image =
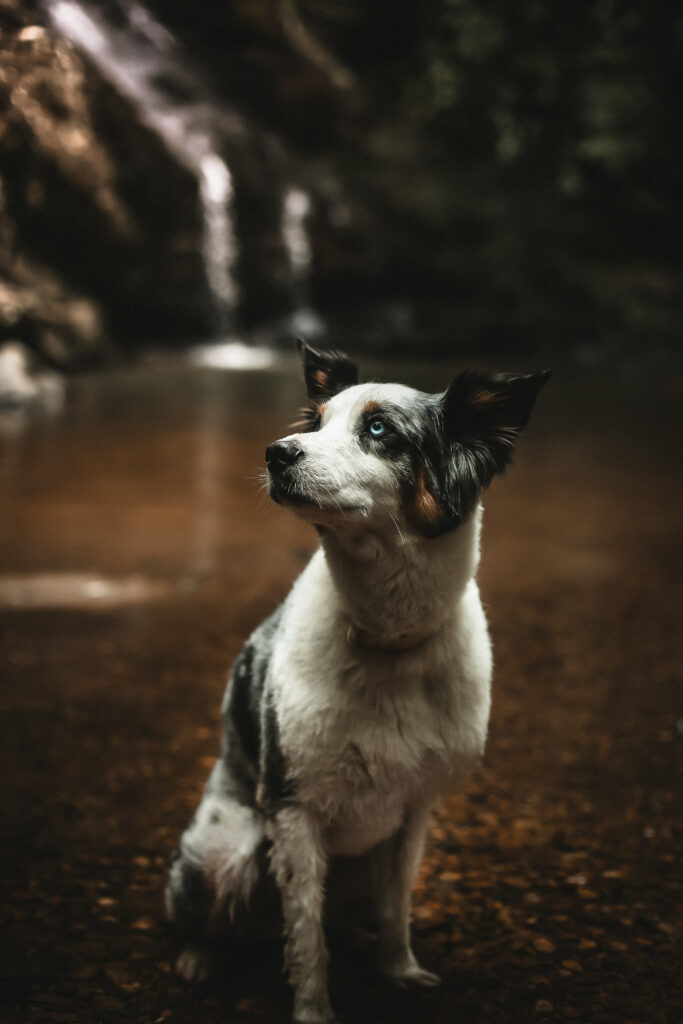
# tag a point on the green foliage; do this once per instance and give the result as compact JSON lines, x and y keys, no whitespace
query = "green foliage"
{"x":551,"y":137}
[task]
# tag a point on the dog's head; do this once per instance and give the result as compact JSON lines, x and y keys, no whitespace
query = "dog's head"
{"x":378,"y":453}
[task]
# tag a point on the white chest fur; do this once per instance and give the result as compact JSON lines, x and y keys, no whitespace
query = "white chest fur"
{"x":366,"y":733}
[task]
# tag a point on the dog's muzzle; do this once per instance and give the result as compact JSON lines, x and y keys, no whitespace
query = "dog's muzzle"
{"x":281,"y":457}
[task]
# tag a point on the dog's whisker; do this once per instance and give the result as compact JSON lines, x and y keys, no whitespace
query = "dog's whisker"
{"x":398,"y":528}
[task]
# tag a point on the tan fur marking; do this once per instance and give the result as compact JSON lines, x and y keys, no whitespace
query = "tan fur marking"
{"x":371,"y":407}
{"x":303,"y":421}
{"x":427,"y":510}
{"x":482,"y":397}
{"x":307,"y":415}
{"x":321,"y":378}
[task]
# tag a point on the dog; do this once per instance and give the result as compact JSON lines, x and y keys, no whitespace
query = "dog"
{"x":367,"y":693}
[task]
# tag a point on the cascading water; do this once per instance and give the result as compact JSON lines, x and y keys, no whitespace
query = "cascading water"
{"x":220,"y":244}
{"x":138,"y":57}
{"x":296,"y":208}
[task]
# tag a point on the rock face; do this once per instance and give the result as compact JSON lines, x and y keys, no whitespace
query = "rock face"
{"x":36,"y":304}
{"x":24,"y":384}
{"x":98,"y":228}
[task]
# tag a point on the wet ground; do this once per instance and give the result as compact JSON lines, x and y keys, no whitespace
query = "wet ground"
{"x":136,"y":552}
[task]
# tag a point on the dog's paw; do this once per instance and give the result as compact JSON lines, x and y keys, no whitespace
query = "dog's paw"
{"x":193,"y":965}
{"x":313,"y":1011}
{"x":314,"y":1017}
{"x":417,"y":977}
{"x":314,"y":1020}
{"x":411,"y":975}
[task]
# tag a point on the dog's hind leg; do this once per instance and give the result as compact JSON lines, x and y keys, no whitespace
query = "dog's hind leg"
{"x":396,"y":862}
{"x":215,"y":869}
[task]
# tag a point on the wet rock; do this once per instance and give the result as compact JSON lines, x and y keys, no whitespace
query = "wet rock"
{"x":99,"y":229}
{"x":23,"y":384}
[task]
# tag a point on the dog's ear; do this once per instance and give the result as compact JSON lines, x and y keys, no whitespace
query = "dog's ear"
{"x":326,"y":373}
{"x":482,"y":415}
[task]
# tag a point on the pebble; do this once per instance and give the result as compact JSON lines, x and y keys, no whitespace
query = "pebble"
{"x":544,"y":945}
{"x":144,"y":924}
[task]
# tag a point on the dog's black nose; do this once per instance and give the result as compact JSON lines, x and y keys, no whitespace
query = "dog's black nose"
{"x":281,"y":454}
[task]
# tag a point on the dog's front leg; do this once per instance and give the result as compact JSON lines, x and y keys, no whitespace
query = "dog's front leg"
{"x":396,"y":862}
{"x":300,"y":865}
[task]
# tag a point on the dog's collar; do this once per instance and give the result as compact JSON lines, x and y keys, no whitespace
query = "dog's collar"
{"x":390,"y":644}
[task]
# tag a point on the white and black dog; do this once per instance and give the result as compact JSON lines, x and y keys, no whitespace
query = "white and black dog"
{"x":367,"y":693}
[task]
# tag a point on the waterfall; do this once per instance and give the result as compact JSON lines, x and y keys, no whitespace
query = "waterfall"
{"x":296,"y":207}
{"x":137,"y":59}
{"x":219,"y":243}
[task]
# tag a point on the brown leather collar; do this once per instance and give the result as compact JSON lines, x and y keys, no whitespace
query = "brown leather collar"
{"x":390,"y":644}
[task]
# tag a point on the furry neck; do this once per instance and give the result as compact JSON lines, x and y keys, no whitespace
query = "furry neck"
{"x":393,"y":586}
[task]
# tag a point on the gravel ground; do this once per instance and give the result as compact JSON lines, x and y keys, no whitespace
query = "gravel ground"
{"x":136,"y":555}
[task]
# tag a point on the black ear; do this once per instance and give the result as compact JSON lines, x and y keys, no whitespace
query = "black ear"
{"x":326,"y":373}
{"x":485,"y":413}
{"x":482,"y":415}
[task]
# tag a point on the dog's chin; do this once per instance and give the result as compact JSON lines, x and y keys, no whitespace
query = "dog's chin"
{"x":314,"y":509}
{"x":290,"y":497}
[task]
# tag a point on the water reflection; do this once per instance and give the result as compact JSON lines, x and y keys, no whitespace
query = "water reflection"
{"x":76,"y":590}
{"x":209,"y":487}
{"x":147,"y":485}
{"x":233,"y":355}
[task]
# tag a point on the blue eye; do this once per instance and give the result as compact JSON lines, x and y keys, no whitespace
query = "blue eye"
{"x":377,"y":428}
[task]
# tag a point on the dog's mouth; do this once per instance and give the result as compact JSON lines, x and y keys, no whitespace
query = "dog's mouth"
{"x":284,"y":492}
{"x":288,"y":494}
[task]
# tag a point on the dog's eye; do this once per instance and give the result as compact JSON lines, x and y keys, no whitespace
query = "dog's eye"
{"x":377,"y":428}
